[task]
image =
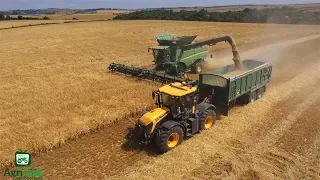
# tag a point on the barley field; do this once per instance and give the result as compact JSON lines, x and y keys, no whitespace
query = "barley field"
{"x":15,"y":23}
{"x":98,"y":16}
{"x":54,"y":84}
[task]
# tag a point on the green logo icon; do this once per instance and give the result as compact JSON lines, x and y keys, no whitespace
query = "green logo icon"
{"x":22,"y":158}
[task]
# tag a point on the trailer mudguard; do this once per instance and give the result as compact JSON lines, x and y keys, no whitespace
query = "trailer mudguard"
{"x":170,"y":124}
{"x":202,"y":107}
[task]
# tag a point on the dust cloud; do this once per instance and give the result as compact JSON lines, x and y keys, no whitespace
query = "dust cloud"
{"x":264,"y":51}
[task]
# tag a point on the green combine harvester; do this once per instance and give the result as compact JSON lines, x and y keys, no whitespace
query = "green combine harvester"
{"x":174,"y":56}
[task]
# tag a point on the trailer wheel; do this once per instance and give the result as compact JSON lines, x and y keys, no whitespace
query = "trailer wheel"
{"x":252,"y":96}
{"x":260,"y":92}
{"x":197,"y":67}
{"x":208,"y":119}
{"x":169,"y":139}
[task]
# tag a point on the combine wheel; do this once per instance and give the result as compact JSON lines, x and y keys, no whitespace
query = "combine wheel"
{"x":169,"y":139}
{"x":197,"y":67}
{"x":207,"y":119}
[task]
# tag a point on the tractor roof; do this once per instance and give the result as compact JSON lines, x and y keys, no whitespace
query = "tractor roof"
{"x":177,"y":89}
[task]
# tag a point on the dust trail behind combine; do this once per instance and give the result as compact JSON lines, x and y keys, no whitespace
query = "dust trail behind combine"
{"x":269,"y":52}
{"x":226,"y":150}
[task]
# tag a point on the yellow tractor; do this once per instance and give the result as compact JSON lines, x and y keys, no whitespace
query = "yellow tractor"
{"x":177,"y":115}
{"x":186,"y":108}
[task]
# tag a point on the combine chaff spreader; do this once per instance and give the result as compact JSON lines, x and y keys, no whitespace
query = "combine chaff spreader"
{"x":175,"y":56}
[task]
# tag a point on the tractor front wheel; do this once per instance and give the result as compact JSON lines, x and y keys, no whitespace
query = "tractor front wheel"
{"x":169,"y":139}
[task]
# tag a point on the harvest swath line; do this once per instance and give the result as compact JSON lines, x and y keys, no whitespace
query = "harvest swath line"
{"x":43,"y":24}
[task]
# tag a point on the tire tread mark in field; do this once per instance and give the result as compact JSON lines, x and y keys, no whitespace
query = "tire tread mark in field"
{"x":303,"y":132}
{"x":52,"y":23}
{"x":303,"y":143}
{"x":270,"y":158}
{"x":97,"y":154}
{"x":292,"y":155}
{"x":285,"y":124}
{"x":236,"y":150}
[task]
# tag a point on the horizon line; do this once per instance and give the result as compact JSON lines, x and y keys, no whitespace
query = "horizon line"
{"x":166,"y":7}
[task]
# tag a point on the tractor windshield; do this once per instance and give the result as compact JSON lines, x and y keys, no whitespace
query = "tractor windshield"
{"x":169,"y":101}
{"x":177,"y":104}
{"x":161,"y":55}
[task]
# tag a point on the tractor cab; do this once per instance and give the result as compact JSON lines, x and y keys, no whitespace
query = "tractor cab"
{"x":177,"y":97}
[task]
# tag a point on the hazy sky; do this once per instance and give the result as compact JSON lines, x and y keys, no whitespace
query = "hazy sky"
{"x":83,"y":4}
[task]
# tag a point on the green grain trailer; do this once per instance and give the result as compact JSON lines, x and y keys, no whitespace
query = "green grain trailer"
{"x":226,"y":85}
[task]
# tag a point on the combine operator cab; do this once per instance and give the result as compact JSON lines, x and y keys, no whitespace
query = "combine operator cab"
{"x":164,"y":60}
{"x":178,"y":114}
{"x":161,"y":54}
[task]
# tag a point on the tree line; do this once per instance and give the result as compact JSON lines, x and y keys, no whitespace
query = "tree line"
{"x":7,"y":17}
{"x":283,"y":15}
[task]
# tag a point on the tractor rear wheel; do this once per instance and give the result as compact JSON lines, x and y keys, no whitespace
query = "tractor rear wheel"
{"x":197,"y":67}
{"x":208,"y":119}
{"x":169,"y":139}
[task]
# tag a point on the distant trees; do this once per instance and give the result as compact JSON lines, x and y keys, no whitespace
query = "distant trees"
{"x":7,"y":17}
{"x":284,"y":15}
{"x":46,"y":18}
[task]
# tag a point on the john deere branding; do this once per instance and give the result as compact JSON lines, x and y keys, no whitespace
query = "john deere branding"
{"x":23,"y":170}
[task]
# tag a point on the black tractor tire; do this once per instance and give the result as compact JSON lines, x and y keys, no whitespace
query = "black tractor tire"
{"x":207,"y":119}
{"x":169,"y":139}
{"x":197,"y":67}
{"x":252,"y":96}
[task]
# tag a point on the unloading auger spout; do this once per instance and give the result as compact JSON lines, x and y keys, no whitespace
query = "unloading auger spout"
{"x":211,"y":42}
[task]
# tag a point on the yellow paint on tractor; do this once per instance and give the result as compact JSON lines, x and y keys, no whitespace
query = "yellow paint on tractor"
{"x":154,"y":116}
{"x":173,"y":140}
{"x":209,"y":122}
{"x":177,"y":89}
